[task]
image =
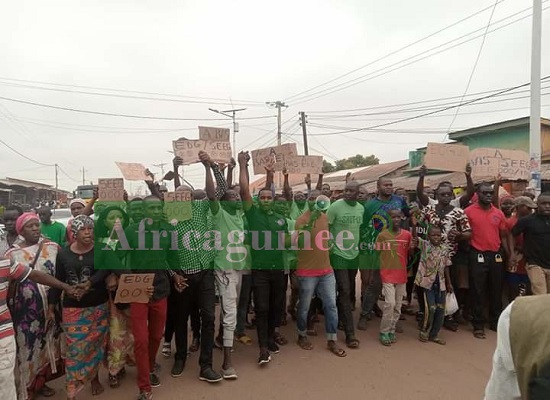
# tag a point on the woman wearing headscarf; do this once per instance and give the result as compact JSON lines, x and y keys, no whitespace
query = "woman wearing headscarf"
{"x":86,"y":317}
{"x":77,"y":207}
{"x":120,"y":349}
{"x":38,"y":342}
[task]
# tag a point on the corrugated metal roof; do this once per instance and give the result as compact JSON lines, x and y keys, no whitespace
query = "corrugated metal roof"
{"x":512,"y":123}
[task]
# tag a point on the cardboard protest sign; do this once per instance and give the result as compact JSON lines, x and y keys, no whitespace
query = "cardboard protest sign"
{"x":133,"y":171}
{"x":214,"y":134}
{"x":111,"y":189}
{"x":132,"y":288}
{"x":178,"y":206}
{"x":188,"y":150}
{"x":303,"y":164}
{"x":271,"y":156}
{"x":509,"y":164}
{"x":447,"y":157}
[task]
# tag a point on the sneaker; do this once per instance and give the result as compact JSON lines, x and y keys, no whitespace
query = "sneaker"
{"x":145,"y":396}
{"x":273,"y":348}
{"x":265,"y":358}
{"x":362,"y":323}
{"x":229,"y":373}
{"x":154,"y":379}
{"x":178,"y":368}
{"x":166,"y":349}
{"x":210,"y":376}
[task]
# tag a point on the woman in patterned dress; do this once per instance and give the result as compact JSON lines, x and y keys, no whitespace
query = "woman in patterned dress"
{"x":38,"y":341}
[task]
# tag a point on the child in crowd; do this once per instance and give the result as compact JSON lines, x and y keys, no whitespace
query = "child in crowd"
{"x":433,"y":277}
{"x":394,"y":244}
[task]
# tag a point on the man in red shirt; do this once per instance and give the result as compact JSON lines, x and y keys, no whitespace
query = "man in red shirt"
{"x":486,"y":261}
{"x":315,"y":274}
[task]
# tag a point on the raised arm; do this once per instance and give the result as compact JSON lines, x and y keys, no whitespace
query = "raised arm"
{"x":269,"y":173}
{"x":177,"y":162}
{"x":230,"y":167}
{"x":496,"y":188}
{"x":243,"y":159}
{"x":423,"y":200}
{"x":208,"y":164}
{"x":287,"y":191}
{"x":470,"y":187}
{"x":89,"y":209}
{"x":153,"y":187}
{"x":319,"y":182}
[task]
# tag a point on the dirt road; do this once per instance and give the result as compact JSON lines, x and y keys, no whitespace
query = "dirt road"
{"x":408,"y":370}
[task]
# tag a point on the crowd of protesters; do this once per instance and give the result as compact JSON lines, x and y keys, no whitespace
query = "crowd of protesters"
{"x":276,"y":254}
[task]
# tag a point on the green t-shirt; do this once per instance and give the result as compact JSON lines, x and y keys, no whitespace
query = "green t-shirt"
{"x":231,"y":228}
{"x":54,"y":231}
{"x":296,"y":211}
{"x":344,"y":217}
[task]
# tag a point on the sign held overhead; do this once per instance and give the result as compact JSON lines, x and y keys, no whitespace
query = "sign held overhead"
{"x":447,"y":157}
{"x":188,"y":150}
{"x":133,"y":171}
{"x":214,"y":134}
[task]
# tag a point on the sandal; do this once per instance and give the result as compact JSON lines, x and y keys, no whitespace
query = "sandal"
{"x":244,"y":339}
{"x":352,"y":343}
{"x":479,"y":334}
{"x":304,"y":343}
{"x":393,"y":338}
{"x":280,"y":339}
{"x":423,"y":336}
{"x":334,"y":349}
{"x":438,"y":341}
{"x":385,"y":339}
{"x":114,"y":382}
{"x":47,"y":391}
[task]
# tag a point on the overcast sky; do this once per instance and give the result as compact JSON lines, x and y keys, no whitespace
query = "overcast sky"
{"x":244,"y":53}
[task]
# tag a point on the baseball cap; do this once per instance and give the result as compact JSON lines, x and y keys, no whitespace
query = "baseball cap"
{"x":525,"y":201}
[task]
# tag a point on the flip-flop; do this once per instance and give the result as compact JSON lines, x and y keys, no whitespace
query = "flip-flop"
{"x":337,"y":350}
{"x":304,"y":343}
{"x":280,"y":339}
{"x":385,"y":339}
{"x":245,"y":339}
{"x":438,"y":341}
{"x":352,"y":343}
{"x":479,"y":334}
{"x":423,"y":337}
{"x":47,"y":391}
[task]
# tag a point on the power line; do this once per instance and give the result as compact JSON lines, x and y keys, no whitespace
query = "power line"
{"x":385,"y":70}
{"x":410,"y":103}
{"x":391,"y":53}
{"x":127,"y":91}
{"x":428,"y":113}
{"x":24,"y":156}
{"x":124,"y":115}
{"x":474,"y":67}
{"x":67,"y":175}
{"x":424,"y":108}
{"x":123,"y":96}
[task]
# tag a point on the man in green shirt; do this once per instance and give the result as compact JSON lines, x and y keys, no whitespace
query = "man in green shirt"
{"x":53,"y":230}
{"x":345,"y":217}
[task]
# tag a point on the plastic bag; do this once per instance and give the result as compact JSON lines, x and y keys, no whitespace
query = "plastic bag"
{"x":451,"y":305}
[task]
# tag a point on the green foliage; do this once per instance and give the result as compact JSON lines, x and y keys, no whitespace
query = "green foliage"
{"x":351,"y":162}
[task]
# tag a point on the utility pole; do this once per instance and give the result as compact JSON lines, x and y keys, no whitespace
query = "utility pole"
{"x":304,"y":131}
{"x":161,"y":166}
{"x":279,"y":105}
{"x":534,"y":121}
{"x":56,"y":183}
{"x":231,"y":114}
{"x":83,"y":176}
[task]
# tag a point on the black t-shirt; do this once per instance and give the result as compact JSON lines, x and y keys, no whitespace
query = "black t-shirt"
{"x":536,"y":243}
{"x":69,"y":268}
{"x":261,"y":225}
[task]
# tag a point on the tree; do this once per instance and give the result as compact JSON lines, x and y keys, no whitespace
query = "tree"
{"x":328,"y":167}
{"x":356,"y":161}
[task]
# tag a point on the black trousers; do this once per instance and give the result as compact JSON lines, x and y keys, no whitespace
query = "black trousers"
{"x":342,"y":268}
{"x":201,"y":295}
{"x":486,"y":278}
{"x":268,"y":287}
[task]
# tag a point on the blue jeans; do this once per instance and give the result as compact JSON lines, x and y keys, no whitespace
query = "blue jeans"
{"x":325,"y":288}
{"x":434,"y":310}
